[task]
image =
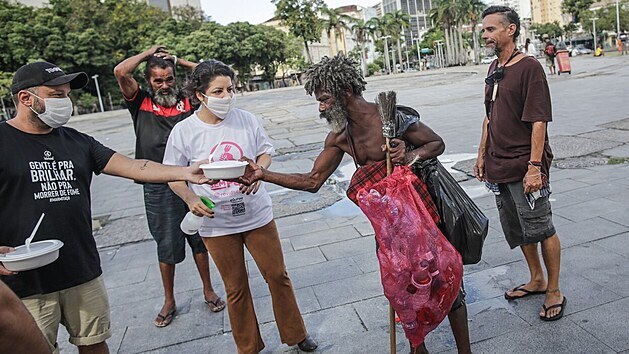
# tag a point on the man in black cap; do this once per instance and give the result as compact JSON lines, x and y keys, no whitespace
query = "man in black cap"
{"x":154,"y":112}
{"x":47,"y":168}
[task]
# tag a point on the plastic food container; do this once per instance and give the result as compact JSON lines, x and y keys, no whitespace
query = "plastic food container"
{"x":41,"y":253}
{"x":224,"y":169}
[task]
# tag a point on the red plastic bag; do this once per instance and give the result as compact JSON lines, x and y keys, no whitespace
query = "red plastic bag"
{"x":421,"y":271}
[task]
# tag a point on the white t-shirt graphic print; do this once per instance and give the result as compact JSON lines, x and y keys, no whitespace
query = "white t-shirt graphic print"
{"x":239,"y":134}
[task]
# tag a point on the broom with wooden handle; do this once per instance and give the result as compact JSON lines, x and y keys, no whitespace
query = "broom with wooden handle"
{"x":386,"y":106}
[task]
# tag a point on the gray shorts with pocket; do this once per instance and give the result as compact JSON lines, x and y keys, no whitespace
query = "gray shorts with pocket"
{"x":520,"y":224}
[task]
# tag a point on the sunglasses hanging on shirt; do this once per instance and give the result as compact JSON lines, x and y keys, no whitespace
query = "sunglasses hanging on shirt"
{"x":498,"y":74}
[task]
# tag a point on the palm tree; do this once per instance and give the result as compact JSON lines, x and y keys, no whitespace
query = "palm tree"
{"x":400,"y":21}
{"x":334,"y":25}
{"x":443,"y":14}
{"x":377,"y":29}
{"x":474,"y":12}
{"x":360,"y":29}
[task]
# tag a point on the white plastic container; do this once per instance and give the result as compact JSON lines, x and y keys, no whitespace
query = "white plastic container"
{"x":224,"y":169}
{"x":41,"y":253}
{"x":191,"y":223}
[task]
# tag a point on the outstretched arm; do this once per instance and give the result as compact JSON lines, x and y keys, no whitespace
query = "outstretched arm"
{"x":324,"y":166}
{"x":153,"y":172}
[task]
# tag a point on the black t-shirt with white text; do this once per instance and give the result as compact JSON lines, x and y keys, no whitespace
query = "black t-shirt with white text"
{"x":50,"y":173}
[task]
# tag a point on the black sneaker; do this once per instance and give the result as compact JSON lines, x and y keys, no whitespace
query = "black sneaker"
{"x":308,"y":344}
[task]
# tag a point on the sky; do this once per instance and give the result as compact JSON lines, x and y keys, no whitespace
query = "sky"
{"x":258,"y":11}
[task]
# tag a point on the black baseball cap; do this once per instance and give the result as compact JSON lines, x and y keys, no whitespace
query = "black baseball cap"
{"x":45,"y":74}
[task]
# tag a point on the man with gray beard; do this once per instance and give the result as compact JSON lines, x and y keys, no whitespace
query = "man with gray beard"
{"x":356,"y":127}
{"x":155,"y":111}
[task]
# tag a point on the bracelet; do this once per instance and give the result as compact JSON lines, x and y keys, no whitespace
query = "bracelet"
{"x":535,"y":163}
{"x":535,"y":175}
{"x":175,"y":59}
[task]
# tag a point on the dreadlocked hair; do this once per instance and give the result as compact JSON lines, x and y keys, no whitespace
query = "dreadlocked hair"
{"x":335,"y":75}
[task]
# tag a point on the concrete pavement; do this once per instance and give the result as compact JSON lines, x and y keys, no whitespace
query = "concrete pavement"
{"x":329,"y":246}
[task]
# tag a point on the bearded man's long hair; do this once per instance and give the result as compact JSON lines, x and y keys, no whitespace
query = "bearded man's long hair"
{"x":335,"y":75}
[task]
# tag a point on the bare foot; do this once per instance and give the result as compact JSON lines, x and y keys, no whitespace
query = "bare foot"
{"x":532,"y":288}
{"x":215,"y":303}
{"x":553,"y":297}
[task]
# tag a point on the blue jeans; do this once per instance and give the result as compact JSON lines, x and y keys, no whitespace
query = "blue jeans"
{"x":164,"y":212}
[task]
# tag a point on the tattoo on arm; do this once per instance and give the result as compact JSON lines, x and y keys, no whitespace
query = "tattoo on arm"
{"x":143,"y":167}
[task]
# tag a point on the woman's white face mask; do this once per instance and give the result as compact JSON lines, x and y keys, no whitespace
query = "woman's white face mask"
{"x":220,"y":106}
{"x":57,"y":111}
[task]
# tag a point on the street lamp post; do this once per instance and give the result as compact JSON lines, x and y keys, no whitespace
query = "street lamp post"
{"x":617,"y":20}
{"x":594,"y":30}
{"x":100,"y":99}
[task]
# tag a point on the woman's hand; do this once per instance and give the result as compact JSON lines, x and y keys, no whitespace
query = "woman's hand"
{"x":197,"y":207}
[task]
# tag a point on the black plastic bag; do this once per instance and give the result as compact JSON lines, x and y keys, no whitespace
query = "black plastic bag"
{"x":462,"y":222}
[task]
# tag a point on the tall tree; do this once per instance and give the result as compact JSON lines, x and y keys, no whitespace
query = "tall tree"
{"x":575,"y":8}
{"x":302,"y":19}
{"x":334,"y":22}
{"x":399,"y":22}
{"x":360,"y":29}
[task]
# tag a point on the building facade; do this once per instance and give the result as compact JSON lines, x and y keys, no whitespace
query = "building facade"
{"x":545,"y":11}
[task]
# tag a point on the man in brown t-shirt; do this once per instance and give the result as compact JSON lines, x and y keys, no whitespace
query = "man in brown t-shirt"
{"x":514,"y":157}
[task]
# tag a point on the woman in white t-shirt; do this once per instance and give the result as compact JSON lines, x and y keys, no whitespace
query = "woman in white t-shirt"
{"x":243,"y":215}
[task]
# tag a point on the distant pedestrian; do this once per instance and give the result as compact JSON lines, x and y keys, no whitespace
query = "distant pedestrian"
{"x":599,"y":51}
{"x":514,"y":157}
{"x":620,"y":46}
{"x":550,"y":51}
{"x":154,"y":112}
{"x":529,"y":48}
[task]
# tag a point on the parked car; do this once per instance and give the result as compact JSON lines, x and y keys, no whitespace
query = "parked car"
{"x":487,"y":60}
{"x":580,"y":49}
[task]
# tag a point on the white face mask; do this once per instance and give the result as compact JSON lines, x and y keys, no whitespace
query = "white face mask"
{"x":220,"y":106}
{"x":57,"y":111}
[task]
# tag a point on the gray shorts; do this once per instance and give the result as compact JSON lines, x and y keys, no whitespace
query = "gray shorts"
{"x":164,"y":212}
{"x":520,"y":224}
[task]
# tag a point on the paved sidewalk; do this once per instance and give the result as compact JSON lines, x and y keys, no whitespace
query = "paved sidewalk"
{"x":329,"y":245}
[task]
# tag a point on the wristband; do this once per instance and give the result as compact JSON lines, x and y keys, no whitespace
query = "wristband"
{"x":535,"y":163}
{"x":175,"y":59}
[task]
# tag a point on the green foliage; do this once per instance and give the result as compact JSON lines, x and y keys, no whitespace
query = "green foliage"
{"x":576,"y":8}
{"x":95,"y":35}
{"x":302,"y":19}
{"x":550,"y":29}
{"x":373,"y":68}
{"x":607,"y":18}
{"x":86,"y":102}
{"x":432,"y":35}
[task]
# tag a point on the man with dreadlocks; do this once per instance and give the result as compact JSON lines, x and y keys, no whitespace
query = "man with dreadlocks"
{"x":338,"y":86}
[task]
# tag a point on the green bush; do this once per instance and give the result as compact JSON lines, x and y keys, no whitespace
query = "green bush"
{"x":372,"y":68}
{"x":86,"y":102}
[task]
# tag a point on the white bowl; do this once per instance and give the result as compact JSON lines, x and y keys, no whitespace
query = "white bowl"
{"x":41,"y":253}
{"x":224,"y":169}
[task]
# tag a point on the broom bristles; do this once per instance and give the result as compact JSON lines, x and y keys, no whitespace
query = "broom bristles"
{"x":386,"y":106}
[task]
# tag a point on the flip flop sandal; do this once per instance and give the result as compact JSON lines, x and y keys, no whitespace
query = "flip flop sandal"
{"x":526,"y":292}
{"x":165,"y":320}
{"x":215,"y":306}
{"x":557,"y":316}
